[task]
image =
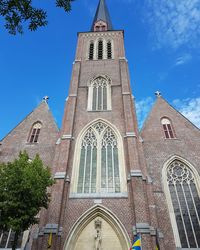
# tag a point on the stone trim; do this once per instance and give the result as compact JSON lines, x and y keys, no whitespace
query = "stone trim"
{"x":73,"y":95}
{"x":123,"y":59}
{"x":98,"y":201}
{"x":58,"y":141}
{"x":130,"y":134}
{"x":60,"y":175}
{"x":145,"y":228}
{"x":126,"y":93}
{"x":50,"y":228}
{"x":101,"y":34}
{"x":65,"y":137}
{"x":136,"y":173}
{"x":67,"y":179}
{"x":98,"y":195}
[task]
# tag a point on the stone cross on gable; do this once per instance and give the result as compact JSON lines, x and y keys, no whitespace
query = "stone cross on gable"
{"x":158,"y":93}
{"x":45,"y":99}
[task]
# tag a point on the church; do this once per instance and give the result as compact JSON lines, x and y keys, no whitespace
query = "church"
{"x":112,"y":181}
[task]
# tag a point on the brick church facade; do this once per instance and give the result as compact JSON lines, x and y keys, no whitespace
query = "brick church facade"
{"x":113,"y":182}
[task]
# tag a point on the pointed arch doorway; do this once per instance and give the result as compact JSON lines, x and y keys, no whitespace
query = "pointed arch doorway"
{"x":97,"y":229}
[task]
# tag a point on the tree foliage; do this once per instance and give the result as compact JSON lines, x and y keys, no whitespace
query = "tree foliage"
{"x":18,"y":12}
{"x":23,"y":192}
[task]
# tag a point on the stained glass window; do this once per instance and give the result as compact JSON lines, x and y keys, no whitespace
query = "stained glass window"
{"x":186,"y":203}
{"x":99,"y":161}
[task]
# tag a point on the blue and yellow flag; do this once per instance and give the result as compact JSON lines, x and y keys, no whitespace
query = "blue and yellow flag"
{"x":137,"y":243}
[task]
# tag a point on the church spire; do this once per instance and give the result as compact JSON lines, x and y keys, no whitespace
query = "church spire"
{"x":102,"y":21}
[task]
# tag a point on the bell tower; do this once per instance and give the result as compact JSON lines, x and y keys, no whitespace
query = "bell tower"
{"x":100,"y":198}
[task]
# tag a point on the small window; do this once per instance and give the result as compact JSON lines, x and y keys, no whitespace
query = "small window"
{"x":167,"y":127}
{"x":109,"y":50}
{"x":100,"y":50}
{"x":35,"y":132}
{"x":91,"y":51}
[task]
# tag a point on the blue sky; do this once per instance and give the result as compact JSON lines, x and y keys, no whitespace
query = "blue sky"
{"x":162,"y":40}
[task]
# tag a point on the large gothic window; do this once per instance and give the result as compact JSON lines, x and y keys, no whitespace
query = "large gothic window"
{"x":185,"y":200}
{"x":99,"y":161}
{"x":99,"y":97}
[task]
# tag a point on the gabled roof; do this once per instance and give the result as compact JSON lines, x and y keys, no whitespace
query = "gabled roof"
{"x":42,"y":108}
{"x":102,"y":14}
{"x":162,"y":108}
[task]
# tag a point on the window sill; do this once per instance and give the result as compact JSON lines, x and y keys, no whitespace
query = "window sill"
{"x":179,"y":248}
{"x":175,"y":139}
{"x":109,"y":110}
{"x":30,"y":143}
{"x":95,"y":60}
{"x":98,"y":195}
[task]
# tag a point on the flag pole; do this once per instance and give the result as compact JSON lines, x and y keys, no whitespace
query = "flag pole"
{"x":141,"y":240}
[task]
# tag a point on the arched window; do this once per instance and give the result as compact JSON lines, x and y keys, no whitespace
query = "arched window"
{"x":110,"y":181}
{"x":185,"y":200}
{"x":109,"y":50}
{"x":99,"y":97}
{"x":35,"y":131}
{"x":91,"y":51}
{"x":167,"y":127}
{"x":100,"y":49}
{"x":88,"y":163}
{"x":99,"y":161}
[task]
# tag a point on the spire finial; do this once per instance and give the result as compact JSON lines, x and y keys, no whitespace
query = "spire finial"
{"x":102,"y":21}
{"x":158,"y":93}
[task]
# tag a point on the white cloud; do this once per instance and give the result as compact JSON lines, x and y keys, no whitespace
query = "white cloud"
{"x":143,"y":107}
{"x":190,"y":108}
{"x":183,"y":59}
{"x":174,"y":23}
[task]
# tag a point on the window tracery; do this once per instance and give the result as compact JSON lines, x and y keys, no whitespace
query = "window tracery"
{"x":99,"y":161}
{"x":186,"y":203}
{"x":99,"y":98}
